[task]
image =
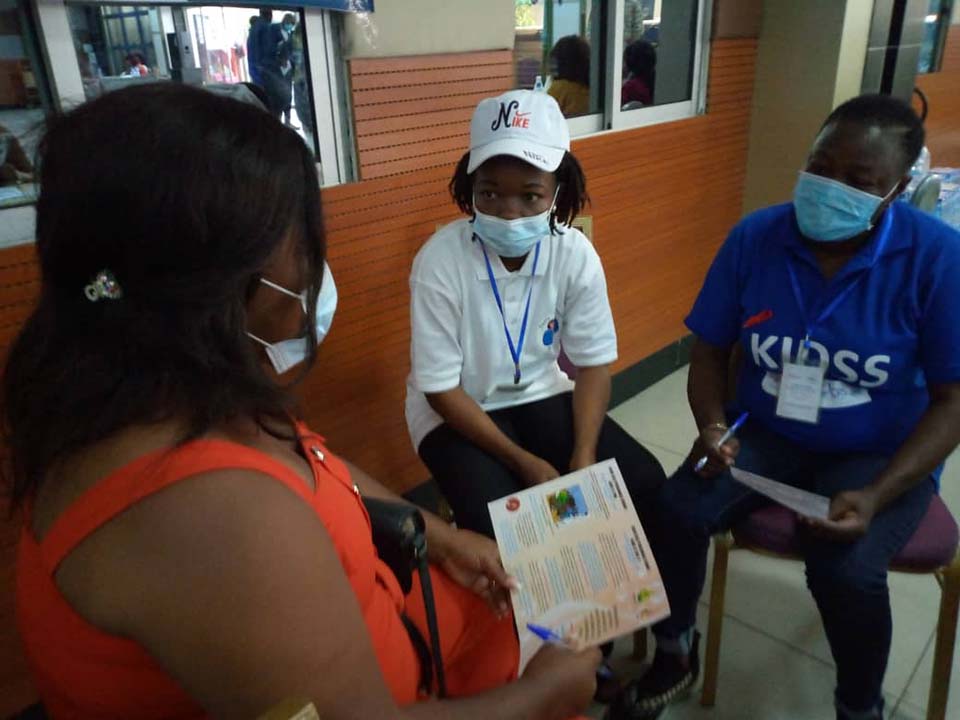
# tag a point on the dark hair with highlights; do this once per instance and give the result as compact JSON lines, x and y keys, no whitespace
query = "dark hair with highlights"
{"x":890,"y":114}
{"x":184,"y":196}
{"x":572,"y":194}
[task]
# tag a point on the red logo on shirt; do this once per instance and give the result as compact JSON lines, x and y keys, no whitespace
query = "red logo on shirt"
{"x":513,"y":504}
{"x":758,"y":319}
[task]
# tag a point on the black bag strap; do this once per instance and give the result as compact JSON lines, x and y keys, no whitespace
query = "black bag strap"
{"x":420,"y":556}
{"x":399,"y":534}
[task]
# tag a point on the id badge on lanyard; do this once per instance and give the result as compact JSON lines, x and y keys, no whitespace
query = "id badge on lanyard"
{"x":515,"y":349}
{"x":801,"y":387}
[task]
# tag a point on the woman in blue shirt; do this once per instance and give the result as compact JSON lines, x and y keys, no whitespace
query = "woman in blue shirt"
{"x":841,"y":305}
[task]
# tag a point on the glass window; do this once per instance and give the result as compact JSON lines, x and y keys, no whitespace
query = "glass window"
{"x":935,"y":28}
{"x":659,"y":52}
{"x":24,"y":102}
{"x":199,"y":45}
{"x":614,"y":64}
{"x":561,"y":42}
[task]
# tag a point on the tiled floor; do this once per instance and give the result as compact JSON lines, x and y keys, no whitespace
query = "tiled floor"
{"x":775,"y":663}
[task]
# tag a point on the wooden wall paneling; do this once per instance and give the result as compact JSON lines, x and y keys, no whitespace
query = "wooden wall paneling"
{"x":414,"y":114}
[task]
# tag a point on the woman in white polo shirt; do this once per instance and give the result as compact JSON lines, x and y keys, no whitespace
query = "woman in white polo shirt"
{"x":493,"y":299}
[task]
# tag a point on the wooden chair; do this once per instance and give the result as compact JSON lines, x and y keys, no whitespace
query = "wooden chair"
{"x":292,"y":710}
{"x":932,"y":550}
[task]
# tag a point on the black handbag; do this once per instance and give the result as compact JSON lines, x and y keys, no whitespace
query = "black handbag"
{"x":399,"y":534}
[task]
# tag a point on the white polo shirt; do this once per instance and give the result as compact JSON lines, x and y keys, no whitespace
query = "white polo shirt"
{"x":457,"y":330}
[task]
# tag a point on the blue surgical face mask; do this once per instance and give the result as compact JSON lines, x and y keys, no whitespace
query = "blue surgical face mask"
{"x":831,"y":211}
{"x":512,"y":238}
{"x":288,"y":27}
{"x":287,"y":354}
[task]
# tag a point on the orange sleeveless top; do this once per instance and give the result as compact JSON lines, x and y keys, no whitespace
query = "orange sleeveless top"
{"x":83,"y":672}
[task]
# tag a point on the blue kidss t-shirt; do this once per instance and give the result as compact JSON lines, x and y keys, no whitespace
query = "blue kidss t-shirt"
{"x":896,"y":331}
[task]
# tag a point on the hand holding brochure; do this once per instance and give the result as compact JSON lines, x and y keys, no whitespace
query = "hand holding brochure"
{"x":576,"y":546}
{"x":800,"y":501}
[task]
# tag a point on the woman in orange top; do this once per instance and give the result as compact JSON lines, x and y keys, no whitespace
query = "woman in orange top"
{"x":188,"y":549}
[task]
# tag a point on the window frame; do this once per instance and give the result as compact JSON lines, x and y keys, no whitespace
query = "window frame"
{"x":322,"y":41}
{"x":615,"y":119}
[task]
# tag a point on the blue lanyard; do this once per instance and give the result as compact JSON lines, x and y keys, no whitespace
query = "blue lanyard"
{"x":515,"y":350}
{"x":829,"y":309}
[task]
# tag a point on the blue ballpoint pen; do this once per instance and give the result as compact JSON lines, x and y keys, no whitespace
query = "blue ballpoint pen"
{"x":724,"y":438}
{"x":549,"y":636}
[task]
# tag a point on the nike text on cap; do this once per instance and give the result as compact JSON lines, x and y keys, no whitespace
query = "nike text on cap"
{"x":526,"y":124}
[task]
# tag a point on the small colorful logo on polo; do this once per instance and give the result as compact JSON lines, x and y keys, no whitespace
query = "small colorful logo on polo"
{"x":509,"y":117}
{"x":513,"y":504}
{"x":553,"y":328}
{"x":758,"y":319}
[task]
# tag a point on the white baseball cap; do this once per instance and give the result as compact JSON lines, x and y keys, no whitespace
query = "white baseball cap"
{"x":526,"y":124}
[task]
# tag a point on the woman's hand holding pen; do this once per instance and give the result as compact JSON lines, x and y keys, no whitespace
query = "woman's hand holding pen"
{"x":719,"y":457}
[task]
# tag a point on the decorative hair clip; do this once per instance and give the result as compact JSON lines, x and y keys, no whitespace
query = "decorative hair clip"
{"x":104,"y":285}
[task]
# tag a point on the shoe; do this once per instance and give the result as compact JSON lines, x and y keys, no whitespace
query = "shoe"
{"x":667,"y":680}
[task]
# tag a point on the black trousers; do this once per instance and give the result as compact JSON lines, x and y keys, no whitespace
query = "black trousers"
{"x":470,"y":477}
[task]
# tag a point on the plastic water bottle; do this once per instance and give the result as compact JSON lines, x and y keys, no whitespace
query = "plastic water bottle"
{"x":920,"y":169}
{"x":922,"y":166}
{"x":538,"y":85}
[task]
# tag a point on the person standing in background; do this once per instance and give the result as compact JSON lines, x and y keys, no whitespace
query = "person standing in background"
{"x":277,"y":69}
{"x":301,"y":93}
{"x":252,"y":51}
{"x":259,"y":46}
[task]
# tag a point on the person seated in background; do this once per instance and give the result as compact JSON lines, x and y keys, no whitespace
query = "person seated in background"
{"x":190,"y":547}
{"x":15,"y":166}
{"x":843,"y":305}
{"x":570,"y":75}
{"x":493,"y":299}
{"x":136,"y":65}
{"x":640,"y":62}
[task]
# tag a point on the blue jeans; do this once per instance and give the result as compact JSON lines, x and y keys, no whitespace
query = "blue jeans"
{"x":848,"y":580}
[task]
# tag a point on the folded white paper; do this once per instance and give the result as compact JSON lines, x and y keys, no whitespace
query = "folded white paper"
{"x":800,"y":501}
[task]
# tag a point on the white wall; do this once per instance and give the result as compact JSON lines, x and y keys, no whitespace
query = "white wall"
{"x":810,"y":59}
{"x":57,"y":42}
{"x":853,"y":50}
{"x":425,"y":27}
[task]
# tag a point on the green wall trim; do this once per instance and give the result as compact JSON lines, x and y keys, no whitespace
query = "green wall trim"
{"x":652,"y":369}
